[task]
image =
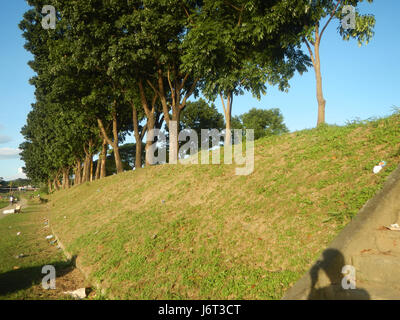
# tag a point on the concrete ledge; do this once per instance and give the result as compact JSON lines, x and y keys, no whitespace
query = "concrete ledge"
{"x":323,"y":280}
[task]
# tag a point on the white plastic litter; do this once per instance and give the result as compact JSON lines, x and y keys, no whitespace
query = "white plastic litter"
{"x":9,"y":211}
{"x":379,"y":167}
{"x":49,"y":237}
{"x":394,"y":227}
{"x":77,"y":294}
{"x":18,"y":233}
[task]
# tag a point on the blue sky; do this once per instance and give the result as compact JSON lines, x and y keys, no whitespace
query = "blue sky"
{"x":357,"y":82}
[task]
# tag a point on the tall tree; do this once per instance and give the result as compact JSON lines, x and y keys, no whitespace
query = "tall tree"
{"x":360,"y":28}
{"x":155,"y":31}
{"x":237,"y":46}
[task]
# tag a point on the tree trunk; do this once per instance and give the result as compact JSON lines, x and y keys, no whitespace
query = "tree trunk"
{"x":173,"y":135}
{"x":114,"y":143}
{"x":318,"y":78}
{"x":91,"y":168}
{"x":103,"y":171}
{"x":149,"y":138}
{"x":78,"y":173}
{"x":50,"y":190}
{"x":97,"y":174}
{"x":228,"y":117}
{"x":86,"y":168}
{"x":57,"y":182}
{"x":65,"y":181}
{"x":138,"y":159}
{"x":118,"y":161}
{"x":178,"y":104}
{"x":150,"y":125}
{"x":135,"y":120}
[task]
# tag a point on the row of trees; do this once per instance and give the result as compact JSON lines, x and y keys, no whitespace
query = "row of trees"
{"x":111,"y":67}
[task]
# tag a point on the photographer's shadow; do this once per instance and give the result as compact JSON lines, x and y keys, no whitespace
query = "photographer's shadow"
{"x":332,"y":264}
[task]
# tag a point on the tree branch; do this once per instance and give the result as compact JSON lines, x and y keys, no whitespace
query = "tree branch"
{"x":332,"y":15}
{"x":309,"y":50}
{"x":187,"y":13}
{"x":234,"y":7}
{"x":223,"y":103}
{"x":143,"y":132}
{"x":153,"y":87}
{"x":171,"y":87}
{"x":104,"y":133}
{"x":184,"y":81}
{"x":189,"y":93}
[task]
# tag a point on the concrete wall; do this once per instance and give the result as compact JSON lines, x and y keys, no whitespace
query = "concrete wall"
{"x":365,"y":244}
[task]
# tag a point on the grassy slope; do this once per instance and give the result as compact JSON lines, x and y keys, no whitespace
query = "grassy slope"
{"x":219,"y":235}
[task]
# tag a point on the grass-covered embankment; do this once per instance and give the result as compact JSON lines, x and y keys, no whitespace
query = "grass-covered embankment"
{"x":222,"y":236}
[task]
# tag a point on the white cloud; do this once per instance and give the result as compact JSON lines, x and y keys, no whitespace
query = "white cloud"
{"x":4,"y":139}
{"x":19,"y":175}
{"x":9,"y":153}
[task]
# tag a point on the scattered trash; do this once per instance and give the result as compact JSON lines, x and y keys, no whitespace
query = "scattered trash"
{"x":394,"y":227}
{"x":163,"y":201}
{"x":16,"y":268}
{"x":154,"y":236}
{"x":65,"y":217}
{"x":49,"y":237}
{"x":18,"y":233}
{"x":77,"y":294}
{"x":19,"y":256}
{"x":9,"y":211}
{"x":53,"y":242}
{"x":379,"y":167}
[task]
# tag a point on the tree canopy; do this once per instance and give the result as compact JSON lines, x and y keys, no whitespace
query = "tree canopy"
{"x":110,"y":68}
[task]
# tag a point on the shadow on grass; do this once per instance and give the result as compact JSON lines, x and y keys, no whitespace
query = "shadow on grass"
{"x":24,"y":278}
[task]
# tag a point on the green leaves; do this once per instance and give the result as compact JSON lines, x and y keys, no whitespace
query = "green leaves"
{"x":264,"y":122}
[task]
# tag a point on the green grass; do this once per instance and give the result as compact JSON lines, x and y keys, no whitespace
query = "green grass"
{"x":21,"y":278}
{"x":222,"y":236}
{"x":4,"y":203}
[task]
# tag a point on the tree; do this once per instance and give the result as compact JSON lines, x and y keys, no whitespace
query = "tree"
{"x":57,"y":131}
{"x":90,"y":29}
{"x":128,"y":157}
{"x":155,"y":31}
{"x":264,"y":122}
{"x":237,"y":46}
{"x":199,"y":115}
{"x":362,"y":30}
